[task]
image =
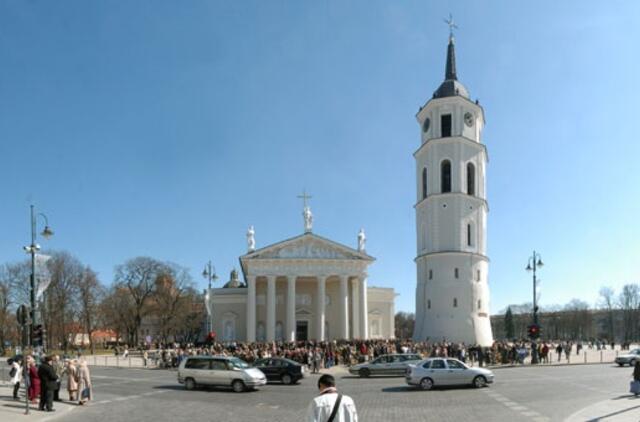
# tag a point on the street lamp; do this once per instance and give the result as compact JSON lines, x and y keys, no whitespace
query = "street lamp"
{"x":534,"y":262}
{"x":32,"y":249}
{"x":209,"y":273}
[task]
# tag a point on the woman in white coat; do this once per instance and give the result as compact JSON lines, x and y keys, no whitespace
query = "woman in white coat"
{"x":84,"y":383}
{"x":15,"y":379}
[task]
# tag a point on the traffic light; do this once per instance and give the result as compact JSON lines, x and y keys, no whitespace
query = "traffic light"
{"x":534,"y":331}
{"x":37,"y":335}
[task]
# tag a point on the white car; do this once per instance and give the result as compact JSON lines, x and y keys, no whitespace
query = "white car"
{"x":221,"y":371}
{"x":446,"y":371}
{"x":628,"y":358}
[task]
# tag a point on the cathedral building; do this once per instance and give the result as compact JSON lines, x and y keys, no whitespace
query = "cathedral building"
{"x":452,"y":294}
{"x":303,"y":288}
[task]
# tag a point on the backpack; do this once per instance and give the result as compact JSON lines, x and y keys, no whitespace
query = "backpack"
{"x":13,"y":372}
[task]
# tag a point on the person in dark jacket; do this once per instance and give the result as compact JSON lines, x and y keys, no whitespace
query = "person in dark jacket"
{"x":48,"y":380}
{"x":636,"y":376}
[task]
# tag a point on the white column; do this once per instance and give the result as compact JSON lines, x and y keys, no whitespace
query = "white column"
{"x":343,"y":305}
{"x":290,"y":335}
{"x":320,"y":307}
{"x":364,"y":320}
{"x":355,"y":308}
{"x":251,"y":308}
{"x":271,"y":308}
{"x":392,"y":321}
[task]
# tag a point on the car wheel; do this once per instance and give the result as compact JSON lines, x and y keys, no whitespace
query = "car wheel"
{"x":286,"y":379}
{"x":620,"y":364}
{"x":479,"y":381}
{"x":426,"y":383}
{"x":238,"y":386}
{"x":190,"y":384}
{"x":364,"y":373}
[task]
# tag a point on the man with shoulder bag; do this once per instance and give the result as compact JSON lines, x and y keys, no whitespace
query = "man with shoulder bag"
{"x":331,"y":406}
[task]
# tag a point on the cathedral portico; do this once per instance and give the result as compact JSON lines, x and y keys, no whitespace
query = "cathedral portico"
{"x":303,"y":288}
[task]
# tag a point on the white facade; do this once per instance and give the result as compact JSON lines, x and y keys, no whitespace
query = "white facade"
{"x":285,"y":285}
{"x":452,"y":294}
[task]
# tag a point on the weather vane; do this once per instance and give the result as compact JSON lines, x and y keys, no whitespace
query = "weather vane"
{"x":451,"y":24}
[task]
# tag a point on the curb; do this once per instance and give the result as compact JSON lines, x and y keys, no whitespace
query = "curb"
{"x":546,"y":365}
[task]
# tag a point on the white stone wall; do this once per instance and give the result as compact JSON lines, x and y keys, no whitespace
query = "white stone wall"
{"x":452,"y":293}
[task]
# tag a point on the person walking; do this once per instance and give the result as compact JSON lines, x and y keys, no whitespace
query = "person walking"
{"x":331,"y":406}
{"x":16,"y":374}
{"x":84,"y":383}
{"x":34,"y":380}
{"x":72,"y":379}
{"x":635,"y":385}
{"x":48,"y":379}
{"x":58,"y":367}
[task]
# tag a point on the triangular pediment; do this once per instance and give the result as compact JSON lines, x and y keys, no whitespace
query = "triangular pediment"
{"x":307,"y":246}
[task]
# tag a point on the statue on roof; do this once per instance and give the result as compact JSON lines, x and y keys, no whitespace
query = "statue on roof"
{"x":251,"y":239}
{"x":308,"y":219}
{"x":362,"y":240}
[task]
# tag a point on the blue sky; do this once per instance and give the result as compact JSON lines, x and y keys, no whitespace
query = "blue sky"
{"x":165,"y":128}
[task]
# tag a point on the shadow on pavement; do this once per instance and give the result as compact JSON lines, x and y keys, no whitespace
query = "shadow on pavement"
{"x":619,"y":412}
{"x":626,"y":396}
{"x":202,"y":388}
{"x":401,"y":389}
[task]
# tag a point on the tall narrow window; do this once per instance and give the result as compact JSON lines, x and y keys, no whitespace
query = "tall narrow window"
{"x":471,"y":179}
{"x":445,"y":125}
{"x":429,"y":304}
{"x":479,"y":304}
{"x":468,"y":234}
{"x":478,"y":275}
{"x":445,"y":176}
{"x":455,"y":273}
{"x":430,"y":274}
{"x":455,"y":302}
{"x":424,"y":183}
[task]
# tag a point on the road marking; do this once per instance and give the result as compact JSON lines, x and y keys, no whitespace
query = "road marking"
{"x":137,"y":396}
{"x":516,"y":407}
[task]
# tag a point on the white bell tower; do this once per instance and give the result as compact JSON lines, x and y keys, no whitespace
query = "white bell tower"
{"x":452,"y":294}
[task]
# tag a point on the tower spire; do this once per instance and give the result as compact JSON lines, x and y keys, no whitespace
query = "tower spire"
{"x":450,"y":71}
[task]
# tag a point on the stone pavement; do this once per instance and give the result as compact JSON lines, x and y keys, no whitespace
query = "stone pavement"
{"x":625,"y":408}
{"x":14,"y":410}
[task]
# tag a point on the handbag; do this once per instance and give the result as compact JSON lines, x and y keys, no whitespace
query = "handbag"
{"x":85,"y":393}
{"x":634,"y":387}
{"x":336,"y":406}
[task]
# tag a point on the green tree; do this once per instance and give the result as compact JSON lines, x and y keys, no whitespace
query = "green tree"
{"x":509,"y":329}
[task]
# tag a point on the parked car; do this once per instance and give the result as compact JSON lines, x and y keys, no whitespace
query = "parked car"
{"x":281,"y":369}
{"x":628,"y":358}
{"x":442,"y":371}
{"x":395,"y":364}
{"x":219,"y":370}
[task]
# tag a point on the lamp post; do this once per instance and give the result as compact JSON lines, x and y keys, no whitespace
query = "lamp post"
{"x":32,"y":249}
{"x":534,"y":262}
{"x":209,"y":273}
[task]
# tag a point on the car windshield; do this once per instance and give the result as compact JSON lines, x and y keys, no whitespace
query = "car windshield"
{"x":238,"y":363}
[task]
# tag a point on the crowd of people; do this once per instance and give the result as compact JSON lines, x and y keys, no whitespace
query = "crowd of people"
{"x":340,"y":352}
{"x":43,"y":381}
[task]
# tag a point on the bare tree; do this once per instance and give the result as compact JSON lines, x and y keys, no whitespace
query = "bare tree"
{"x":90,"y":293}
{"x":117,"y":312}
{"x":629,"y":300}
{"x":60,"y":310}
{"x":404,"y":323}
{"x":169,"y":300}
{"x":607,"y":302}
{"x":138,"y":276}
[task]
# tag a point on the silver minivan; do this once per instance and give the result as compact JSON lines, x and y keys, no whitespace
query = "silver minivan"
{"x":219,"y":370}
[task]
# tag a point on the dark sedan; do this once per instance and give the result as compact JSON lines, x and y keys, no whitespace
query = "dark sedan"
{"x":281,"y":369}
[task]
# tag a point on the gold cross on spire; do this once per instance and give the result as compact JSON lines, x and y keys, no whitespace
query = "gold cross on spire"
{"x":304,"y":198}
{"x":451,"y":24}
